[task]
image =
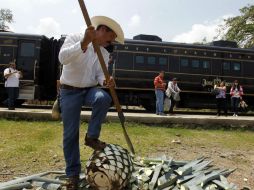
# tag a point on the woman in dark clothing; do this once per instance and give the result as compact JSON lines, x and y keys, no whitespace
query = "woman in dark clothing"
{"x":236,"y":93}
{"x":221,"y":98}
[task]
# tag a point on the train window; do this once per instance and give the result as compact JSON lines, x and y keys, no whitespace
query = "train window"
{"x":151,"y":60}
{"x":162,"y":61}
{"x":195,"y":63}
{"x":184,"y":62}
{"x":27,"y":49}
{"x":124,"y":61}
{"x":6,"y":54}
{"x":236,"y":66}
{"x":140,"y":59}
{"x":206,"y":65}
{"x":226,"y":66}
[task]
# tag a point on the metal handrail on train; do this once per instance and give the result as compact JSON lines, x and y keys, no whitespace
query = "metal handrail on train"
{"x":35,"y":66}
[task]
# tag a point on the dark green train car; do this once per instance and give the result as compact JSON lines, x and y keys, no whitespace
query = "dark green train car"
{"x":134,"y":67}
{"x":36,"y":57}
{"x":198,"y":67}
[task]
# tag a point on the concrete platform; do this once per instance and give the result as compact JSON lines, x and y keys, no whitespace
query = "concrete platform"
{"x":147,"y":118}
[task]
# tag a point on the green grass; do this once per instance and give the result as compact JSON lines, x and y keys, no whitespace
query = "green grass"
{"x":37,"y":146}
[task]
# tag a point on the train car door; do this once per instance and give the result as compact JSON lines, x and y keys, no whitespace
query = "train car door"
{"x":26,"y":59}
{"x":26,"y":62}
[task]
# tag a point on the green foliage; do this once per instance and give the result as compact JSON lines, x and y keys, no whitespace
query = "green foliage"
{"x":5,"y":17}
{"x":240,"y":28}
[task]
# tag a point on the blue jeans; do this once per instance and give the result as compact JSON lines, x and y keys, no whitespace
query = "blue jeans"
{"x":71,"y":102}
{"x":159,"y":101}
{"x":234,"y":104}
{"x":13,"y":94}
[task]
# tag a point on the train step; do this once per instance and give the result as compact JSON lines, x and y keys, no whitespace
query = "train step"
{"x":26,"y":92}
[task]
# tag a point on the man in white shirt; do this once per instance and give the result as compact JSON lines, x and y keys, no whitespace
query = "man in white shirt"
{"x":12,"y":77}
{"x":80,"y":76}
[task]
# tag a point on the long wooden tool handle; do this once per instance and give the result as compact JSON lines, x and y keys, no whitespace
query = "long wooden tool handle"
{"x":107,"y":76}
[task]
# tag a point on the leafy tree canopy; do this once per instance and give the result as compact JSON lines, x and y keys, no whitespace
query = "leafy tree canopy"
{"x":240,"y":28}
{"x":5,"y":17}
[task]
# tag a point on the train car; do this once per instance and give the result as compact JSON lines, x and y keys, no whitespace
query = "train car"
{"x":134,"y":67}
{"x":36,"y":57}
{"x":198,"y":67}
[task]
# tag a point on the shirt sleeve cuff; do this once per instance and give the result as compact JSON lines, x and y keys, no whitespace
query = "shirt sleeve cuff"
{"x":101,"y":80}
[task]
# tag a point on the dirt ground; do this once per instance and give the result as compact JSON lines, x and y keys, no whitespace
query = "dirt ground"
{"x":27,"y":148}
{"x":243,"y":161}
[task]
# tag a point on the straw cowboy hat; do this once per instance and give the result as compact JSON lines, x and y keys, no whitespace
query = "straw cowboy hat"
{"x":113,"y":25}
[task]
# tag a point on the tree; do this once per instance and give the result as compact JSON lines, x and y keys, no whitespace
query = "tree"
{"x":240,"y":28}
{"x":5,"y":17}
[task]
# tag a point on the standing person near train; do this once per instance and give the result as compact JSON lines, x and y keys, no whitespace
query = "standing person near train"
{"x":221,"y":98}
{"x":236,"y":93}
{"x":12,"y":76}
{"x":160,"y":85}
{"x":172,"y":93}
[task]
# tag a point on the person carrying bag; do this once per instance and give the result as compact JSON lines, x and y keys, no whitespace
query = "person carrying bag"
{"x":236,"y":93}
{"x":173,"y":93}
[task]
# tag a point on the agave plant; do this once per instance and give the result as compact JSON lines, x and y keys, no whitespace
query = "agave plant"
{"x":109,"y":169}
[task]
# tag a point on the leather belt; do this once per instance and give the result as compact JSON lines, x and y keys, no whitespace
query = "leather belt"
{"x":68,"y":87}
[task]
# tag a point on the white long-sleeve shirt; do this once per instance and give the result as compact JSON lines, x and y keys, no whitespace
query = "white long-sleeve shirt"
{"x":172,"y":88}
{"x":13,"y":79}
{"x":81,"y":69}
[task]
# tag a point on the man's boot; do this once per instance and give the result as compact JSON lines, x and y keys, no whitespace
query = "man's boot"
{"x":72,"y":183}
{"x":94,"y":143}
